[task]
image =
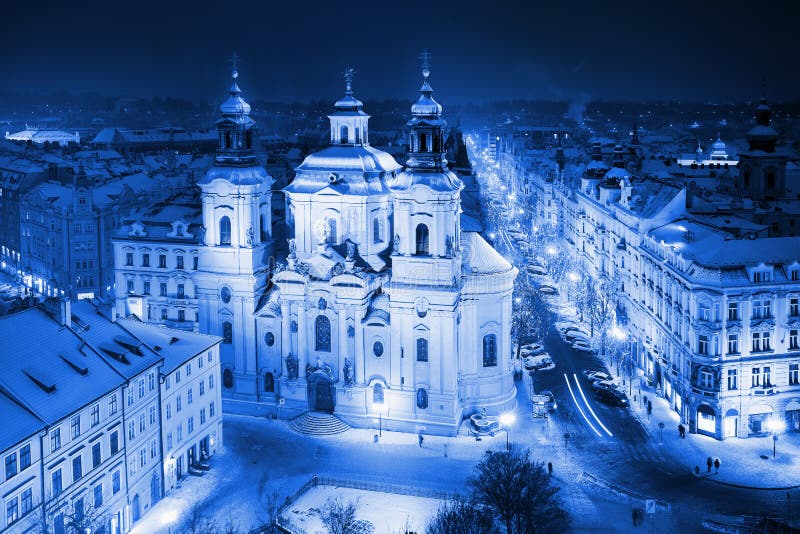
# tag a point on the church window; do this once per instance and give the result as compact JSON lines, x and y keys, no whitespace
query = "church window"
{"x":423,"y":142}
{"x":422,"y":398}
{"x":358,"y":136}
{"x":377,"y":394}
{"x":490,"y":350}
{"x":770,"y":181}
{"x":227,"y":378}
{"x":227,"y":140}
{"x":423,"y":245}
{"x":344,"y":134}
{"x":377,"y":230}
{"x":227,"y":332}
{"x":269,"y":339}
{"x":322,"y":328}
{"x":269,"y":383}
{"x":377,"y":349}
{"x":330,"y":236}
{"x":225,"y":231}
{"x":225,"y":294}
{"x":249,"y":139}
{"x":263,"y":225}
{"x":422,"y":349}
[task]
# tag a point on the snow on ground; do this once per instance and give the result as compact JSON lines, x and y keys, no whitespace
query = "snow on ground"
{"x":388,"y":512}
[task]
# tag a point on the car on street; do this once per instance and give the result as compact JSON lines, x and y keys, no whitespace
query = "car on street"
{"x":603,"y":384}
{"x":612,"y":397}
{"x":535,"y":270}
{"x":530,"y":349}
{"x":539,"y":362}
{"x":582,"y":345}
{"x":551,"y":399}
{"x":547,"y":290}
{"x":595,"y":375}
{"x":563,"y":326}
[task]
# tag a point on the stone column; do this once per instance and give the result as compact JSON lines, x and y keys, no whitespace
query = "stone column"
{"x":342,"y":344}
{"x":302,"y":340}
{"x":286,"y":334}
{"x":359,"y":367}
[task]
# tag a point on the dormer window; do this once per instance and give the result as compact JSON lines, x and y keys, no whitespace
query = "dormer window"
{"x":762,"y":276}
{"x":344,"y":134}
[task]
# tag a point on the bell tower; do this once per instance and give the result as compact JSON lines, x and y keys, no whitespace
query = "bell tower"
{"x":236,"y":253}
{"x":762,"y":168}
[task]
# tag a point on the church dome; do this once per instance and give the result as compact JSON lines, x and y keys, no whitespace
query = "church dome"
{"x":425,"y":105}
{"x":235,"y":104}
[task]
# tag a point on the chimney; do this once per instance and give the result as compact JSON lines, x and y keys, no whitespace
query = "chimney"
{"x":65,"y":312}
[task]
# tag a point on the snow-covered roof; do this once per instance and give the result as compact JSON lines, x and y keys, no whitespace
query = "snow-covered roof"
{"x":16,"y":421}
{"x":479,"y":257}
{"x":253,"y":175}
{"x":175,"y":346}
{"x":439,"y":181}
{"x":349,"y":158}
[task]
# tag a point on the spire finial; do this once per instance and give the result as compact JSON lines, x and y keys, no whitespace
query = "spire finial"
{"x":425,"y":57}
{"x":348,"y":79}
{"x":235,"y":63}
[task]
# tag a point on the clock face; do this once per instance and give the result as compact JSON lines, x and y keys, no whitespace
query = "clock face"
{"x":225,"y":294}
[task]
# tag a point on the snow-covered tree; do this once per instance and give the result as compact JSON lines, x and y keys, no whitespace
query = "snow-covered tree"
{"x":338,"y":516}
{"x":460,"y":517}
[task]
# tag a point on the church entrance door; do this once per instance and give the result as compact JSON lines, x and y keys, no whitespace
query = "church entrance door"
{"x":321,"y":393}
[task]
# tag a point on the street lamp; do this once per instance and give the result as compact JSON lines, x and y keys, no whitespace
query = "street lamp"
{"x":776,"y":425}
{"x":507,"y":419}
{"x":379,"y":405}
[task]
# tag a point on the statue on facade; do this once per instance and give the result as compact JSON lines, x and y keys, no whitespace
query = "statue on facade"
{"x":202,"y":234}
{"x":251,"y":238}
{"x":348,"y":372}
{"x":310,"y":369}
{"x":396,"y":244}
{"x":351,"y":250}
{"x":292,"y":248}
{"x":291,"y":366}
{"x":448,"y":246}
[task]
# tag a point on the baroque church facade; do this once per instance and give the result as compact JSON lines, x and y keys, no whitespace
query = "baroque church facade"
{"x":385,"y":307}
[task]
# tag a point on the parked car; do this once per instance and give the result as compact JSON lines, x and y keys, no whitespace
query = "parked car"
{"x":603,"y":384}
{"x":594,"y":376}
{"x":582,"y":345}
{"x":563,"y":326}
{"x":547,"y":290}
{"x":536,"y":270}
{"x":612,"y":397}
{"x":570,"y":336}
{"x":530,"y":349}
{"x":539,"y":362}
{"x":551,"y":399}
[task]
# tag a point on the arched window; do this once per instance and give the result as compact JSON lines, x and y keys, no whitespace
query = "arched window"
{"x":422,"y":349}
{"x":225,"y":231}
{"x":227,"y":378}
{"x":377,"y":394}
{"x":227,"y":140}
{"x":322,"y":329}
{"x":269,"y":383}
{"x":249,"y":139}
{"x":423,"y":245}
{"x":422,"y":398}
{"x":377,"y":230}
{"x":490,"y":350}
{"x":358,"y":135}
{"x":423,"y":142}
{"x":227,"y":332}
{"x":330,"y":231}
{"x":263,"y":227}
{"x":344,"y":134}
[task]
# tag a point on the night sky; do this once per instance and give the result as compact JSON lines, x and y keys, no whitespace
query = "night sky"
{"x":295,"y":50}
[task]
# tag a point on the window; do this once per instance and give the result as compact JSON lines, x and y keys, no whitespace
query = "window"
{"x":166,"y":382}
{"x":181,"y":291}
{"x":11,"y":465}
{"x":163,"y":314}
{"x":181,"y":316}
{"x":422,"y":398}
{"x":704,"y":312}
{"x":142,"y":457}
{"x":422,"y":349}
{"x":115,"y":483}
{"x":24,"y":457}
{"x":344,"y":134}
{"x":145,"y":260}
{"x":152,"y":415}
{"x":794,"y":374}
{"x":194,"y":263}
{"x":141,"y":388}
{"x":98,"y":496}
{"x":211,"y":381}
{"x":130,"y":396}
{"x":793,"y":341}
{"x":200,"y":362}
{"x":178,"y":403}
{"x":162,"y":289}
{"x":169,"y":441}
{"x":114,"y":443}
{"x":706,"y":379}
{"x":129,"y":259}
{"x":178,"y":376}
{"x":211,"y":409}
{"x":377,"y":230}
{"x":490,"y":350}
{"x":27,"y":501}
{"x":202,"y":388}
{"x":180,"y":433}
{"x":146,"y":287}
{"x":794,"y":305}
{"x":12,"y":510}
{"x":423,"y":247}
{"x":227,"y":378}
{"x":80,"y":509}
{"x":96,"y":455}
{"x":169,"y":411}
{"x":189,"y":396}
{"x":56,"y":485}
{"x":377,"y":394}
{"x":153,"y":448}
{"x":795,"y":273}
{"x":162,"y":261}
{"x":761,"y":342}
{"x":210,"y":357}
{"x":77,"y":468}
{"x":733,"y":343}
{"x":190,"y":426}
{"x":151,"y":381}
{"x":330,"y":231}
{"x":767,"y":374}
{"x":762,"y":309}
{"x":732,"y":379}
{"x":179,"y":262}
{"x":202,"y":415}
{"x":75,"y":426}
{"x":322,"y":328}
{"x":377,"y":349}
{"x":227,"y":332}
{"x":224,"y":231}
{"x":756,"y":377}
{"x":131,"y":430}
{"x":702,"y":344}
{"x":55,"y":440}
{"x":188,"y":369}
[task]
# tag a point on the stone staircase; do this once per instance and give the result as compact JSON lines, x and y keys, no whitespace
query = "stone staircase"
{"x":318,"y":424}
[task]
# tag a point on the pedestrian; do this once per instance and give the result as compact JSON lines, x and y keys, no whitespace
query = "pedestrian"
{"x":644,"y":400}
{"x":550,"y":468}
{"x":716,"y":465}
{"x":445,"y":450}
{"x":649,"y":409}
{"x":681,"y":430}
{"x":420,"y":440}
{"x":709,"y":463}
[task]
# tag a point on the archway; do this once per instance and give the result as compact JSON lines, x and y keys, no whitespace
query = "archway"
{"x":321,"y":392}
{"x":136,"y":511}
{"x":706,"y":420}
{"x":155,"y":490}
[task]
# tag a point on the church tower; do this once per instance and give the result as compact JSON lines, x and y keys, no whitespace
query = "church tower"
{"x":762,"y":168}
{"x":235,"y":255}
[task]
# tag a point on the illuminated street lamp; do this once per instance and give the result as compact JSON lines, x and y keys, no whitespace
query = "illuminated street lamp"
{"x":573,"y":277}
{"x":507,"y":419}
{"x":776,"y":425}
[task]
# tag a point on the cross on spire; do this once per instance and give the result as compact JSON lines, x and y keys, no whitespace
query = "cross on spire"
{"x":235,"y":63}
{"x":425,"y":57}
{"x":348,"y":79}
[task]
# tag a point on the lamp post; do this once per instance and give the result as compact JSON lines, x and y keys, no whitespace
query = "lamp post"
{"x":507,"y":419}
{"x":566,"y":440}
{"x":380,"y":418}
{"x":776,"y":425}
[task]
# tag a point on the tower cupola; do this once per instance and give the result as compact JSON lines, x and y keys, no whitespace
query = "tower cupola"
{"x":426,"y":143}
{"x":235,"y":128}
{"x":349,"y":123}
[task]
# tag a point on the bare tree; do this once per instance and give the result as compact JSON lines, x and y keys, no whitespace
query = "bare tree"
{"x":460,"y":517}
{"x":339,"y":517}
{"x":197,"y":522}
{"x":76,"y":516}
{"x":270,"y":506}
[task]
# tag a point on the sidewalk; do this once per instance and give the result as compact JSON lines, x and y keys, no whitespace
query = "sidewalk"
{"x":746,"y":463}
